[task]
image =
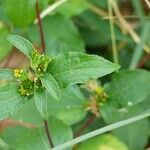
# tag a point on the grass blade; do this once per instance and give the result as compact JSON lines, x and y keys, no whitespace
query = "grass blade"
{"x":103,"y":130}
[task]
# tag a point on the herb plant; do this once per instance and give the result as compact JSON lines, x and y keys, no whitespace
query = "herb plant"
{"x":61,"y":91}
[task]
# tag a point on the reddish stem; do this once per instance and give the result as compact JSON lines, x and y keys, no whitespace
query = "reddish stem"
{"x":40,"y":26}
{"x":145,"y":59}
{"x":48,"y":133}
{"x":87,"y":124}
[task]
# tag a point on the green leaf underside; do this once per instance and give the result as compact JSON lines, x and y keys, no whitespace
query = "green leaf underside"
{"x":6,"y":74}
{"x":21,"y":44}
{"x":10,"y":101}
{"x":35,"y":139}
{"x":71,"y":104}
{"x":41,"y":102}
{"x":51,"y":86}
{"x":60,"y":132}
{"x":72,"y":68}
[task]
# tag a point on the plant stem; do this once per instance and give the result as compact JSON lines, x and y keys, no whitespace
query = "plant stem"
{"x":43,"y":48}
{"x":87,"y":124}
{"x":48,"y":133}
{"x":113,"y":38}
{"x":40,"y":26}
{"x":145,"y":59}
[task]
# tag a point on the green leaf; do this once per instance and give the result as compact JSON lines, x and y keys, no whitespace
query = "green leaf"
{"x":10,"y":100}
{"x":3,"y":145}
{"x":24,"y":14}
{"x":6,"y":74}
{"x":41,"y":102}
{"x":72,"y":68}
{"x":22,"y":44}
{"x":129,"y":87}
{"x":73,"y":8}
{"x":72,"y":103}
{"x":51,"y":86}
{"x":28,"y":109}
{"x":35,"y":139}
{"x":60,"y":132}
{"x":61,"y":35}
{"x":20,"y":138}
{"x":129,"y":95}
{"x":103,"y":142}
{"x":104,"y":130}
{"x":5,"y":46}
{"x":132,"y":138}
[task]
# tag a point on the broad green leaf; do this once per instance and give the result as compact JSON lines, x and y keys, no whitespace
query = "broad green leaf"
{"x":73,"y":8}
{"x":41,"y":102}
{"x":103,"y":142}
{"x":72,"y":68}
{"x":61,"y":35}
{"x":5,"y":46}
{"x":10,"y":100}
{"x":105,"y":129}
{"x":28,"y":109}
{"x":20,"y":138}
{"x":51,"y":86}
{"x":60,"y":132}
{"x":6,"y":74}
{"x":3,"y":145}
{"x":129,"y":87}
{"x":22,"y":44}
{"x":129,"y":134}
{"x":72,"y":103}
{"x":128,"y":95}
{"x":21,"y":12}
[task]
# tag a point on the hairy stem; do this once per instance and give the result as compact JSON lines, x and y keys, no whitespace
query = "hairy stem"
{"x":40,"y":26}
{"x":87,"y":124}
{"x":48,"y":133}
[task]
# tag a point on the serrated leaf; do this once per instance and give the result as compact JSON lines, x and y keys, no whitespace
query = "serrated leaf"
{"x":71,"y":104}
{"x":72,"y":68}
{"x":21,"y":44}
{"x":41,"y":102}
{"x":103,"y":142}
{"x":10,"y":100}
{"x":6,"y":74}
{"x":51,"y":86}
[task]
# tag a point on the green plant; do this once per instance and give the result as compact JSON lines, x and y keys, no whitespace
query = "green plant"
{"x":63,"y":89}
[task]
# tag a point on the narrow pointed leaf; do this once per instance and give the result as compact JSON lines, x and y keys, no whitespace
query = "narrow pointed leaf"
{"x":51,"y":86}
{"x":6,"y":74}
{"x":22,"y":44}
{"x":72,"y":68}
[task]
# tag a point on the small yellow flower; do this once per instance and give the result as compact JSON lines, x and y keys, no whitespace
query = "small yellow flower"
{"x":18,"y":73}
{"x":99,"y":90}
